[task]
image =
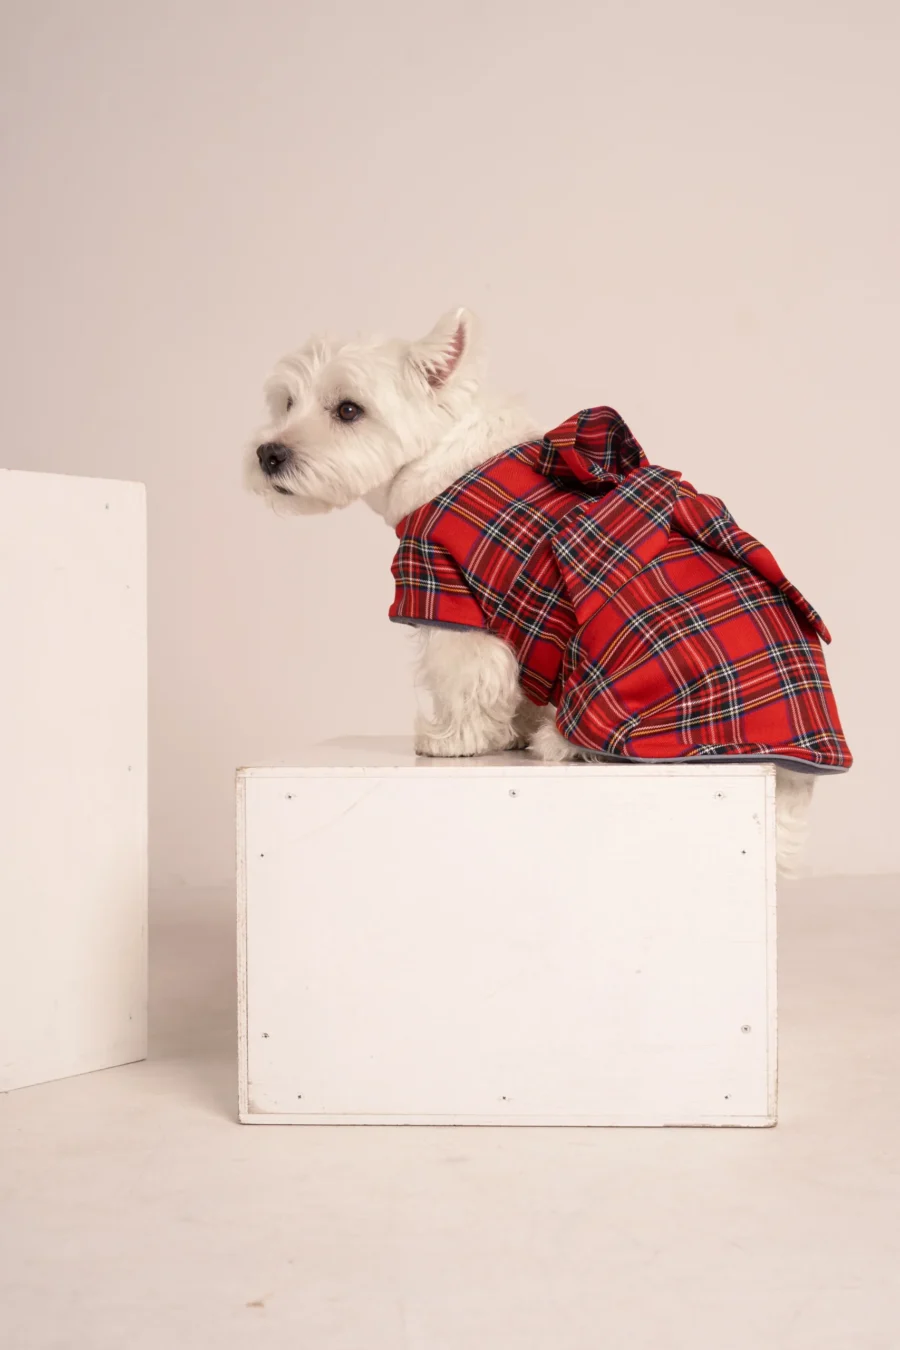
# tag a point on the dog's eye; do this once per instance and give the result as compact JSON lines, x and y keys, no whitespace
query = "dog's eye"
{"x":289,"y":405}
{"x":348,"y":412}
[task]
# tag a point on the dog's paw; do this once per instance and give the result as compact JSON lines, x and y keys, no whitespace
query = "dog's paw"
{"x":528,"y":719}
{"x":551,"y":746}
{"x":439,"y":744}
{"x":461,"y":742}
{"x":433,"y":747}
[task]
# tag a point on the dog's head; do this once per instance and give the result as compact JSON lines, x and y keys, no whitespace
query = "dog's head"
{"x":346,"y":416}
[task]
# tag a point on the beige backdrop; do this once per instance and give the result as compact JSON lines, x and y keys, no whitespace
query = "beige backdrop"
{"x":686,"y":210}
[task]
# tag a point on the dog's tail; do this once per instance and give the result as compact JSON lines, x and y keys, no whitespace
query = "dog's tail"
{"x":793,"y":797}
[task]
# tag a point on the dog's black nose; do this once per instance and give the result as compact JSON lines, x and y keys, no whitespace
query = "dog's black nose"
{"x":272,"y":456}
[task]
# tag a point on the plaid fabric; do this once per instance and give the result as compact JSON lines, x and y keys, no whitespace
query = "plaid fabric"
{"x":635,"y":605}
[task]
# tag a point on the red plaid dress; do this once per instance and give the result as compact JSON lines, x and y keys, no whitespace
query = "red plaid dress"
{"x":635,"y":605}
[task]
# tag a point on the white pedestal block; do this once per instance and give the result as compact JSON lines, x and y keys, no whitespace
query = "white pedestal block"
{"x":498,"y":942}
{"x":73,"y":776}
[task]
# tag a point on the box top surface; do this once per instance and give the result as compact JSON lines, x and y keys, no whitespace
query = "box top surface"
{"x":32,"y":480}
{"x":395,"y":755}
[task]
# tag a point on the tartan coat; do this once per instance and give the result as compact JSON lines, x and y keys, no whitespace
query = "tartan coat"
{"x":636,"y":606}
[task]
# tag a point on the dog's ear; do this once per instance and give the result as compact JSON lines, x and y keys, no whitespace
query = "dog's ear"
{"x":438,"y":356}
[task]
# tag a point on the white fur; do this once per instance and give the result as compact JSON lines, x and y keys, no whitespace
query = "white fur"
{"x":427,"y":419}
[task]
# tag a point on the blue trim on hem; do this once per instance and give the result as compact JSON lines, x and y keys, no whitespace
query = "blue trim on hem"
{"x":439,"y":623}
{"x":780,"y":761}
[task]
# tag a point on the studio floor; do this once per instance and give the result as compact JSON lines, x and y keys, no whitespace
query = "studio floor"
{"x":136,"y":1215}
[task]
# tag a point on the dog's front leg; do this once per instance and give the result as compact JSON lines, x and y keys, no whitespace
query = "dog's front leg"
{"x":473,"y":681}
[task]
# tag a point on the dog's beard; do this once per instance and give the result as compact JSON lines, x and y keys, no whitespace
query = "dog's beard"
{"x":289,"y":502}
{"x":314,"y":483}
{"x":302,"y":506}
{"x":284,"y":496}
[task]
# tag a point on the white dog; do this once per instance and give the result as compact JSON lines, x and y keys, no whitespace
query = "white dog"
{"x":395,"y":423}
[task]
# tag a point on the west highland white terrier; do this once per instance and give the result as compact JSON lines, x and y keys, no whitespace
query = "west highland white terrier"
{"x":396,"y":424}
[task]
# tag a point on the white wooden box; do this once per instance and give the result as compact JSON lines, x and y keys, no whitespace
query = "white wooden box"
{"x":498,"y":942}
{"x":73,"y":776}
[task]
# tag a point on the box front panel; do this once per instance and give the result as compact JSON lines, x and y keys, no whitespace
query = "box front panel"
{"x":73,"y":801}
{"x":585,"y":948}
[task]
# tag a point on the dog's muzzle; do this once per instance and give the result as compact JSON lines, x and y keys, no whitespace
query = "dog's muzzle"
{"x":272,"y":457}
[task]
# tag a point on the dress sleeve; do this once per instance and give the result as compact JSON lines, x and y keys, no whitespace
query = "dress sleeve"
{"x":430,"y":588}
